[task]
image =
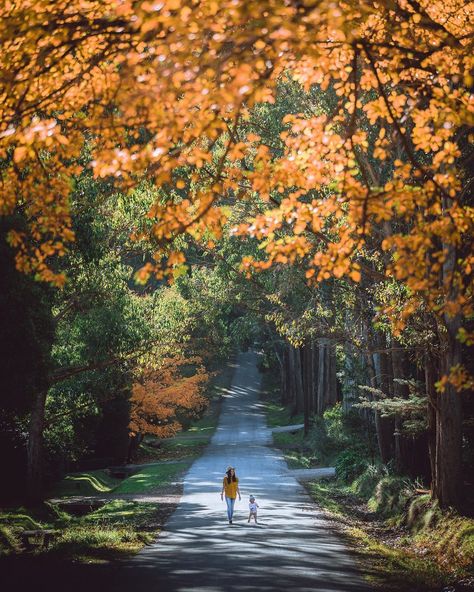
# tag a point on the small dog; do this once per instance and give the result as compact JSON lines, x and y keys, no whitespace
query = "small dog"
{"x":253,"y":509}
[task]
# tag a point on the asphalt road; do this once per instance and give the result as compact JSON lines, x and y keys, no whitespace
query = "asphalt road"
{"x":292,"y":548}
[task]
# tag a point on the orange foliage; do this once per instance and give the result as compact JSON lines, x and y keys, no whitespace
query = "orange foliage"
{"x":162,"y":394}
{"x":190,"y":70}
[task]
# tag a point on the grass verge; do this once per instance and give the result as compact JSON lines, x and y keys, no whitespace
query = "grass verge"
{"x":118,"y":528}
{"x":86,"y":483}
{"x":299,"y":451}
{"x":151,"y":478}
{"x":393,"y":554}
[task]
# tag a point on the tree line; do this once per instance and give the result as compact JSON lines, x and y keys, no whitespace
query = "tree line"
{"x":316,"y":158}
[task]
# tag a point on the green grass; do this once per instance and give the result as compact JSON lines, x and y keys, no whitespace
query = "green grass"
{"x":87,"y":483}
{"x":279,"y":415}
{"x":151,"y":477}
{"x":296,"y":450}
{"x":396,"y":569}
{"x":299,"y":451}
{"x":118,"y":528}
{"x":435,"y":549}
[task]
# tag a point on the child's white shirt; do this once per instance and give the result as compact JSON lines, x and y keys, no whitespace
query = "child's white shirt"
{"x":253,"y":507}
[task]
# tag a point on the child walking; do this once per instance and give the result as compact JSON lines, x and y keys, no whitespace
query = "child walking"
{"x":253,"y":508}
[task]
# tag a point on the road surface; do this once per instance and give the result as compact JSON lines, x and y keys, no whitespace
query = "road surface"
{"x":292,"y":548}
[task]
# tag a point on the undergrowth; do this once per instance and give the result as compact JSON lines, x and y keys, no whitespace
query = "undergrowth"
{"x":404,"y":541}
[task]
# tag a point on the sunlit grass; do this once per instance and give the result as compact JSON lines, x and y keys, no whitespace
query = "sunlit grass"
{"x":86,"y":483}
{"x":151,"y":477}
{"x":437,"y":546}
{"x":117,"y":528}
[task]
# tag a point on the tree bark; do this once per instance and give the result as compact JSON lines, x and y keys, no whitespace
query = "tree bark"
{"x":34,"y":468}
{"x":327,"y":379}
{"x":299,"y":402}
{"x":133,"y":446}
{"x":431,"y":410}
{"x":283,"y":379}
{"x":382,"y":426}
{"x":292,"y":378}
{"x":307,"y":360}
{"x":448,"y":482}
{"x":322,"y":373}
{"x":399,"y":391}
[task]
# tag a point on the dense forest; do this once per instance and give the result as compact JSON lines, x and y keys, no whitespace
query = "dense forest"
{"x":181,"y":179}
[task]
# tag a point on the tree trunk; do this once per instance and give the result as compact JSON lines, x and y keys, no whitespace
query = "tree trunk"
{"x":386,"y":386}
{"x":307,"y":359}
{"x":299,"y":381}
{"x":332,"y":376}
{"x":322,"y":373}
{"x":314,"y":386}
{"x":292,"y":378}
{"x":431,"y":409}
{"x":382,"y":427}
{"x":283,"y":378}
{"x":327,"y":379}
{"x":133,"y":446}
{"x":399,"y":391}
{"x":448,"y":482}
{"x":289,"y":374}
{"x":34,"y":469}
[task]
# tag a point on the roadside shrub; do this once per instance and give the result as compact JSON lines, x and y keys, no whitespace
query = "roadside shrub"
{"x":86,"y":539}
{"x":422,"y":513}
{"x":349,"y":465}
{"x":333,"y":419}
{"x":391,"y":495}
{"x":318,"y":440}
{"x":365,"y":484}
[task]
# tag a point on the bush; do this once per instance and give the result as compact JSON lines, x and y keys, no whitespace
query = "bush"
{"x":391,"y":495}
{"x":349,"y":465}
{"x":422,"y":513}
{"x":334,"y":421}
{"x":365,"y":484}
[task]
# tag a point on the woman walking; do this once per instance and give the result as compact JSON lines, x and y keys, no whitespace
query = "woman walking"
{"x":230,"y":487}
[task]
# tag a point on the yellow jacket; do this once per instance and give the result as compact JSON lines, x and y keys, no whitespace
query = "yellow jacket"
{"x":230,"y":488}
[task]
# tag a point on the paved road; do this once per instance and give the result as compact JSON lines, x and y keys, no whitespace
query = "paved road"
{"x":292,"y":548}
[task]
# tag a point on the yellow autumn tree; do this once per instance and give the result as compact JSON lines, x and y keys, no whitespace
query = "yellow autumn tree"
{"x":164,"y":396}
{"x":162,"y":87}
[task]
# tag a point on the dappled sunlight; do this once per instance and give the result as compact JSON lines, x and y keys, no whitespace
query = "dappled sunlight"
{"x":292,"y":546}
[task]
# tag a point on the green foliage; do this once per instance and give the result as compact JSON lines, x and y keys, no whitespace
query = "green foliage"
{"x":9,"y":540}
{"x":349,"y":465}
{"x":334,"y":420}
{"x":410,"y":410}
{"x":365,"y":484}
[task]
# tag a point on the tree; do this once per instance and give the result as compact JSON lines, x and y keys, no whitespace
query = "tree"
{"x":165,"y":396}
{"x":405,"y":67}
